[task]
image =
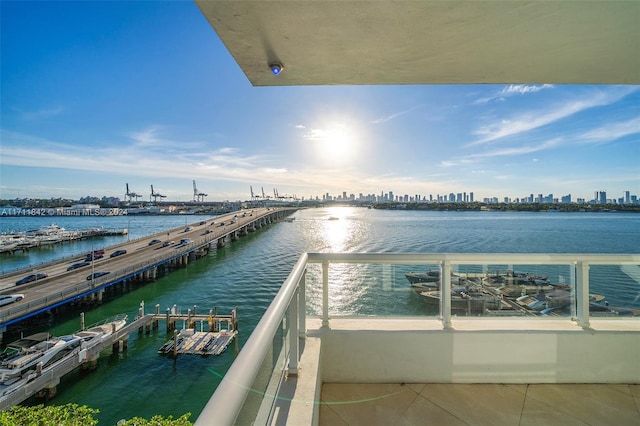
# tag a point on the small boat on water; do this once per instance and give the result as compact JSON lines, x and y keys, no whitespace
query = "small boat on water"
{"x":20,"y":346}
{"x":514,"y":291}
{"x":430,"y":280}
{"x":464,"y":299}
{"x":11,"y":385}
{"x":95,"y":333}
{"x":555,"y":300}
{"x":516,"y":278}
{"x":8,"y":243}
{"x":420,"y":287}
{"x":52,"y":229}
{"x":45,"y":352}
{"x":431,"y":276}
{"x":22,"y":356}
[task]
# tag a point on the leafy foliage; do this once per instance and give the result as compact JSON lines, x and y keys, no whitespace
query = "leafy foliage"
{"x":75,"y":415}
{"x":62,"y":415}
{"x":159,"y":421}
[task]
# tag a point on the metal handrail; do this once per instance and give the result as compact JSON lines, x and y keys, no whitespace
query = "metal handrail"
{"x":477,"y":258}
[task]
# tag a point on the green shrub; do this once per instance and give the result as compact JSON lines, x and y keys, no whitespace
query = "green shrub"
{"x":75,"y":415}
{"x":59,"y":415}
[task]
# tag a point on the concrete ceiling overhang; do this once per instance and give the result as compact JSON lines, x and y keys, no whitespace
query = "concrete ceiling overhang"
{"x":431,"y":42}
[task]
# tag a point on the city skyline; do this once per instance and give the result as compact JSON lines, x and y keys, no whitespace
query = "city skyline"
{"x":96,"y":95}
{"x":135,"y":199}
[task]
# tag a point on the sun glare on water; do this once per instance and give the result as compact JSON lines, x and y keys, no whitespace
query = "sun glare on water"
{"x":337,"y":229}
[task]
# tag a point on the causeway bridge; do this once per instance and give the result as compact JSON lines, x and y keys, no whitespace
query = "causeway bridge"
{"x":176,"y":247}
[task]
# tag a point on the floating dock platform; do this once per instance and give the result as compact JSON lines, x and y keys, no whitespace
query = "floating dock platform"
{"x":193,"y":342}
{"x":220,"y":332}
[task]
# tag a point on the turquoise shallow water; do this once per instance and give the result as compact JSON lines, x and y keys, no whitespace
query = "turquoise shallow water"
{"x":247,"y":274}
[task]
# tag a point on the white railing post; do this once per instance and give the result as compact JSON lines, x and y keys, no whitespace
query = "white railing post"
{"x":302,"y":306}
{"x":325,"y":293}
{"x":582,"y":293}
{"x":293,"y":335}
{"x":445,"y":293}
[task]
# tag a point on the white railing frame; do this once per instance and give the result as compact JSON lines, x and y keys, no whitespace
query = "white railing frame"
{"x":228,"y":399}
{"x":234,"y":387}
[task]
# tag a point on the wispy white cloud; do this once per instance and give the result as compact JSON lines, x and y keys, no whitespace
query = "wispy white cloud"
{"x":462,"y":161}
{"x":513,"y":89}
{"x":522,"y":89}
{"x":503,"y":152}
{"x":39,"y":114}
{"x":227,"y":150}
{"x":28,"y":151}
{"x":146,"y":137}
{"x":530,"y":120}
{"x":274,"y":171}
{"x":395,"y":115}
{"x":520,"y":150}
{"x":316,"y":134}
{"x":611,"y":131}
{"x":334,"y":133}
{"x":154,"y":138}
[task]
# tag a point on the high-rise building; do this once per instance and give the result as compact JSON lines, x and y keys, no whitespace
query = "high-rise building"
{"x":603,"y":197}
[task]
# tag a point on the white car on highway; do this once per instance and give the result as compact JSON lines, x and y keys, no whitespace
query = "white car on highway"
{"x":6,"y":299}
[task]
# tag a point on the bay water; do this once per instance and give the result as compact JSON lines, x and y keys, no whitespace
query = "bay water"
{"x":248,"y":273}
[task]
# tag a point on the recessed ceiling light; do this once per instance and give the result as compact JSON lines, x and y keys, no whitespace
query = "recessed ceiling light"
{"x":276,"y":68}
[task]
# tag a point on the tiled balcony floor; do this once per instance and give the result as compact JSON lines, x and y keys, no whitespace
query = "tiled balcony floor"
{"x":479,"y":404}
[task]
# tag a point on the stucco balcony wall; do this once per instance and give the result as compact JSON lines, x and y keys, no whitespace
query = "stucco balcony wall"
{"x":384,"y":350}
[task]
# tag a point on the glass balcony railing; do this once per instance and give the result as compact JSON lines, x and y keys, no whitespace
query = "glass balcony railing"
{"x":435,"y":287}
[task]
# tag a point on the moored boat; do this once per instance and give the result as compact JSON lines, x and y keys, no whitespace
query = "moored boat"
{"x":462,"y":299}
{"x":95,"y":333}
{"x":24,"y":355}
{"x":21,"y":346}
{"x":45,"y":353}
{"x":423,"y":277}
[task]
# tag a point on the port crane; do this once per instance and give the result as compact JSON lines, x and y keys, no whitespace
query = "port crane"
{"x":132,"y":195}
{"x":198,"y":196}
{"x":277,"y":195}
{"x":155,"y":195}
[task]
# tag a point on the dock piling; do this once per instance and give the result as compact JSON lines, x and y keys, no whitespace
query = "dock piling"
{"x":175,"y":344}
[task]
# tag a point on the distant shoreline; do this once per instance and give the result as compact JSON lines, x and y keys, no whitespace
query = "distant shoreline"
{"x":509,"y":207}
{"x":10,"y":211}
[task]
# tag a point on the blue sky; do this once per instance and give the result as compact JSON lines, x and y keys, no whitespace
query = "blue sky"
{"x":99,"y":94}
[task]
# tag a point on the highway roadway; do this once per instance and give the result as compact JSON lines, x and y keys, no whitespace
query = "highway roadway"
{"x":62,"y":285}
